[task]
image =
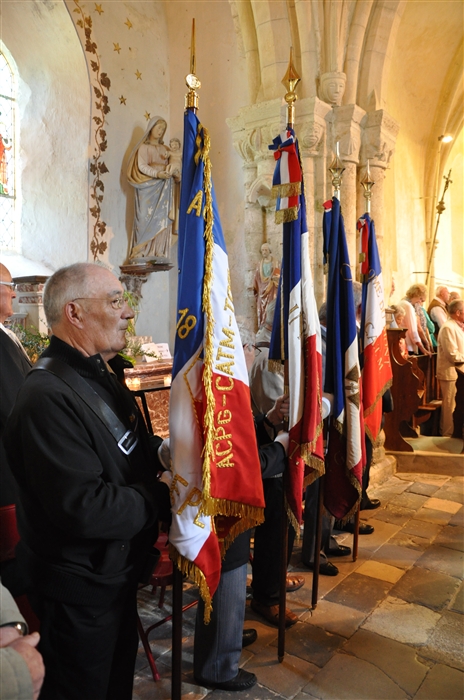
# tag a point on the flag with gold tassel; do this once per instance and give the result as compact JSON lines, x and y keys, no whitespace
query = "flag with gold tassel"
{"x":216,"y":491}
{"x":296,"y":333}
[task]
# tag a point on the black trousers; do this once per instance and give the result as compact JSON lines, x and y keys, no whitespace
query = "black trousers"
{"x":268,"y":546}
{"x":89,"y":652}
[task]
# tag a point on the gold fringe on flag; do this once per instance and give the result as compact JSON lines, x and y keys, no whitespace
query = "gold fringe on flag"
{"x":249,"y":515}
{"x":189,"y":569}
{"x":284,"y":216}
{"x":255,"y":517}
{"x":289,"y":189}
{"x":275,"y":366}
{"x":291,"y":519}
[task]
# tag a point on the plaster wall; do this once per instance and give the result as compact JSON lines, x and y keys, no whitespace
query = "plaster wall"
{"x":221,"y":67}
{"x":415,"y":80}
{"x":53,"y":105}
{"x":131,"y":40}
{"x":449,"y":255}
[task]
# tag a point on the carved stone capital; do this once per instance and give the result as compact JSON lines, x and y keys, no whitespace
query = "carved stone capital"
{"x":380,"y":132}
{"x":310,"y":125}
{"x":260,"y":190}
{"x":254,"y":128}
{"x":346,"y":123}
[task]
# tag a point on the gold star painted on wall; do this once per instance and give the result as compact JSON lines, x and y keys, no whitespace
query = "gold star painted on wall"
{"x":116,"y":47}
{"x":128,"y":23}
{"x":147,"y":115}
{"x":122,"y":100}
{"x":99,"y":9}
{"x":138,"y":74}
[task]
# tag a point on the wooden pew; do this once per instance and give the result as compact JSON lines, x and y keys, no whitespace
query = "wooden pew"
{"x":408,"y":389}
{"x":431,"y":403}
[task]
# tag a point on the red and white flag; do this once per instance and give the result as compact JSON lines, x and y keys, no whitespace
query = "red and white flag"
{"x":375,"y":356}
{"x":217,"y":489}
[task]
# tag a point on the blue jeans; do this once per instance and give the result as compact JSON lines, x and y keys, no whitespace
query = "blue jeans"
{"x":218,"y":645}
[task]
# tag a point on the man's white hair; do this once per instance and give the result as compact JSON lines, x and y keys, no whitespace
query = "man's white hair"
{"x":247,"y":334}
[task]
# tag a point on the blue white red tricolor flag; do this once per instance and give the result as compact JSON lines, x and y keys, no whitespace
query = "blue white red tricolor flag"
{"x":296,"y":333}
{"x":375,"y":356}
{"x":216,"y":490}
{"x":346,"y":450}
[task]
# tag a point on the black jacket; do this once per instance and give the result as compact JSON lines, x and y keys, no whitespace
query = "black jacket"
{"x":87,"y":513}
{"x":14,"y":366}
{"x":273,"y":460}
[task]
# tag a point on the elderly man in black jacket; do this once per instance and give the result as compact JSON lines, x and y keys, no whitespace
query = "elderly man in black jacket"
{"x":89,"y":498}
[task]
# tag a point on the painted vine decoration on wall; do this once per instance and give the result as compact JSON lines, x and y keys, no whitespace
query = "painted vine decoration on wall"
{"x":100,"y":84}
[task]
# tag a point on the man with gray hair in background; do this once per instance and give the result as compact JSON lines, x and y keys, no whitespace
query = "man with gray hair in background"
{"x":450,"y":356}
{"x":89,"y":499}
{"x":438,"y":307}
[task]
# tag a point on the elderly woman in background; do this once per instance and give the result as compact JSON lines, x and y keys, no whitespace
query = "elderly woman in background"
{"x":420,"y":290}
{"x":399,"y":315}
{"x":416,"y":340}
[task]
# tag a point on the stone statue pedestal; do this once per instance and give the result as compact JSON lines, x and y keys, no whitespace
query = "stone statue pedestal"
{"x":29,"y":292}
{"x":133,"y":276}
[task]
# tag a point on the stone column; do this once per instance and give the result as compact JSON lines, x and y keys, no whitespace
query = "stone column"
{"x":346,"y":129}
{"x":380,"y":131}
{"x":311,"y":130}
{"x":252,"y":131}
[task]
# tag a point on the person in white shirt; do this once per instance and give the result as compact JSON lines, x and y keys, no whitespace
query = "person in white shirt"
{"x":450,"y":357}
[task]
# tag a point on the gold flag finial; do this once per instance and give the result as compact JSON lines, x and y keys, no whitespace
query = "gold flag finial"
{"x":367,"y":185}
{"x":336,"y":169}
{"x":290,"y":81}
{"x":192,"y":82}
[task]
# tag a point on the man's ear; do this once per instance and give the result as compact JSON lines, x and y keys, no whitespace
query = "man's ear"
{"x":74,"y":314}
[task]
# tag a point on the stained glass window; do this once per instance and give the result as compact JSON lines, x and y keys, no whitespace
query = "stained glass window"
{"x":7,"y":155}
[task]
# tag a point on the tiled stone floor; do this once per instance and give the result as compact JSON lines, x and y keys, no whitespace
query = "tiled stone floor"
{"x":389,"y":626}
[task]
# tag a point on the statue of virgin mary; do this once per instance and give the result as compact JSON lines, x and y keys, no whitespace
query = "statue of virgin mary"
{"x":156,"y":194}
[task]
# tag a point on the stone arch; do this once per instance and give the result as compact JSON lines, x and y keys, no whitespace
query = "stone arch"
{"x":354,"y":48}
{"x":376,"y":55}
{"x":243,"y":11}
{"x":274,"y":39}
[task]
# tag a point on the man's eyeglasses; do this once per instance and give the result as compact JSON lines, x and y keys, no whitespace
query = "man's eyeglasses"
{"x":117,"y":303}
{"x":11,"y":285}
{"x":250,"y":346}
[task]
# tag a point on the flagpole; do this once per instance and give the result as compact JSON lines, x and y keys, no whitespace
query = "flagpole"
{"x":367,"y":185}
{"x":191,"y":103}
{"x":290,"y":82}
{"x":336,"y":169}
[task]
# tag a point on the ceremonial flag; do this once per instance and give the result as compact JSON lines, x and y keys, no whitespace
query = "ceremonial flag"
{"x":216,"y":491}
{"x":346,"y":451}
{"x":375,"y":356}
{"x":296,"y":333}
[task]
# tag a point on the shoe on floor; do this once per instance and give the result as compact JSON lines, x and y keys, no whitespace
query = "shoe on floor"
{"x":248,"y":637}
{"x":326,"y":568}
{"x":369,"y":504}
{"x":242,"y":681}
{"x":294,"y":582}
{"x":341,"y":551}
{"x":271,"y":613}
{"x":364,"y":528}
